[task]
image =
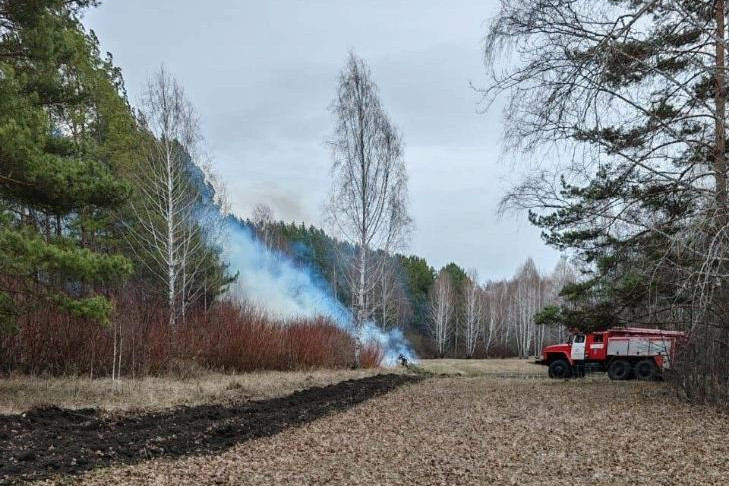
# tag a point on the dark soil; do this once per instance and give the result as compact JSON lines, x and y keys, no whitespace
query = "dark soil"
{"x":51,"y":441}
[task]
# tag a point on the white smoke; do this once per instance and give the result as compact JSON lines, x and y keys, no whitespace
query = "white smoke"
{"x":273,"y":282}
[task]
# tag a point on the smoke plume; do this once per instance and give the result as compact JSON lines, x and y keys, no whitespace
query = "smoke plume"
{"x":272,"y":281}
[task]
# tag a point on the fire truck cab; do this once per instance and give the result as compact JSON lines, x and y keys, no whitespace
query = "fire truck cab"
{"x":624,"y":353}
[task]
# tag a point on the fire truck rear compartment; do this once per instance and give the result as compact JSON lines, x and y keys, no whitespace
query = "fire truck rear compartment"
{"x":631,"y":346}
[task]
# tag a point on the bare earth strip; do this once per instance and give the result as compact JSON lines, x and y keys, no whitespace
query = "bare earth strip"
{"x":475,"y":431}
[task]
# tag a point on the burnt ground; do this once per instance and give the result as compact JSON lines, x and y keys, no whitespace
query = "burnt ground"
{"x":51,"y":441}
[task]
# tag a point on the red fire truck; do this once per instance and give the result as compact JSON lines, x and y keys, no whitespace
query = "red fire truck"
{"x":624,"y":353}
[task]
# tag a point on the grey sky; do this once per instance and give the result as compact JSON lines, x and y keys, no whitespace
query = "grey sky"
{"x":263,"y":73}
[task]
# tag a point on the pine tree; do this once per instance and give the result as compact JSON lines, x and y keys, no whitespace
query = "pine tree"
{"x":63,"y":129}
{"x":630,"y":86}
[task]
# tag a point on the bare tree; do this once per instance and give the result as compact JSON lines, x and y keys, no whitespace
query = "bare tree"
{"x":473,"y":312}
{"x":441,"y":311}
{"x":367,"y":203}
{"x":262,"y":220}
{"x":387,"y":286}
{"x":524,"y":307}
{"x":495,"y":308}
{"x":403,"y":310}
{"x":166,"y":234}
{"x":563,"y":274}
{"x":389,"y":300}
{"x":510,"y":306}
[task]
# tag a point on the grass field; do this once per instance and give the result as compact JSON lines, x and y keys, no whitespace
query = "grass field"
{"x":483,"y":367}
{"x":21,"y":393}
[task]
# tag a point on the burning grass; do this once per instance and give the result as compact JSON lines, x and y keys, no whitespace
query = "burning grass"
{"x":479,"y":430}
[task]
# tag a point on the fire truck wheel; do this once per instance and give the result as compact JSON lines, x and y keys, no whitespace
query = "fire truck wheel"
{"x":646,"y":369}
{"x":559,"y":368}
{"x":619,"y":370}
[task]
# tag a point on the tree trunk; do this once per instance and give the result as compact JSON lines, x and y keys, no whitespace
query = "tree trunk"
{"x":384,"y":300}
{"x":361,"y":311}
{"x":720,"y":99}
{"x":170,"y":243}
{"x":113,"y":358}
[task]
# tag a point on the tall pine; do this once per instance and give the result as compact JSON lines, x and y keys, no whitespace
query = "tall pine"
{"x":65,"y":129}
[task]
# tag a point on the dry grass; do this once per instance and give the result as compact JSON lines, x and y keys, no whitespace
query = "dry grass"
{"x":462,"y":431}
{"x":481,"y":367}
{"x":21,"y":393}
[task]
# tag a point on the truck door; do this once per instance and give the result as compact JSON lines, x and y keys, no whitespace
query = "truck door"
{"x":595,"y":347}
{"x":578,"y":347}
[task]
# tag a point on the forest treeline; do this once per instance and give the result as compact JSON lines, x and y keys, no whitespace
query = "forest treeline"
{"x":446,"y":312}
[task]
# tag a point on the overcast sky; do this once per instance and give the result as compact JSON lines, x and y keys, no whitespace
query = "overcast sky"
{"x":262,"y":74}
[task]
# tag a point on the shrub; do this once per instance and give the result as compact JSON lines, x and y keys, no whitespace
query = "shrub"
{"x":228,"y":337}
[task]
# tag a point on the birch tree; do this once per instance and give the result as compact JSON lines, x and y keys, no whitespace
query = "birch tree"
{"x":389,"y":299}
{"x":387,"y":287}
{"x":495,"y":298}
{"x":166,"y":234}
{"x":473,"y":313}
{"x":262,"y":220}
{"x":441,"y":311}
{"x":562,"y":275}
{"x":528,"y":301}
{"x":367,"y":202}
